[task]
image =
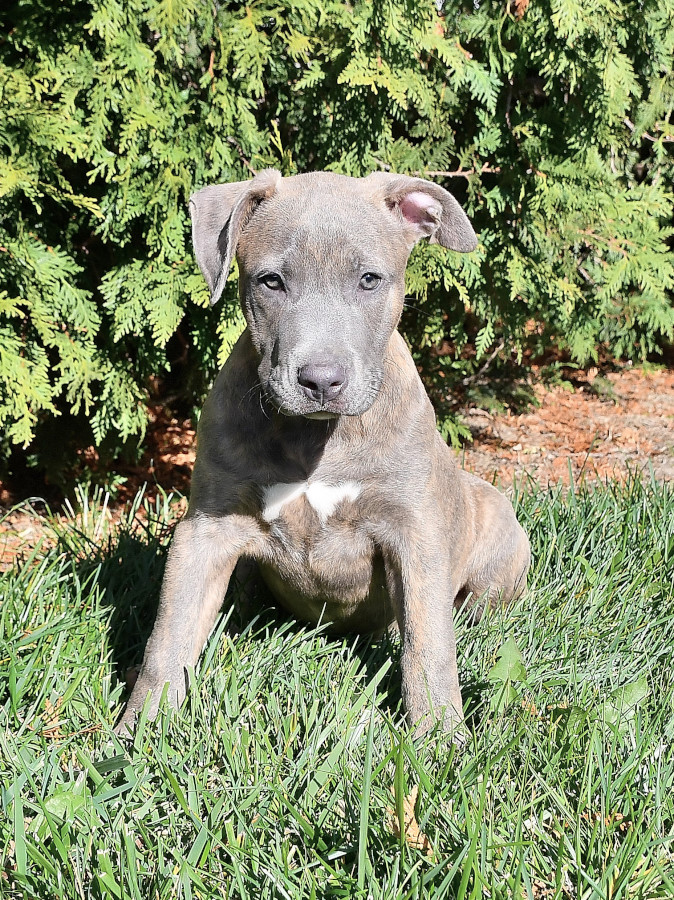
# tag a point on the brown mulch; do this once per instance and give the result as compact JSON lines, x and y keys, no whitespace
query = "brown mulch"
{"x":607,"y":425}
{"x":169,"y":454}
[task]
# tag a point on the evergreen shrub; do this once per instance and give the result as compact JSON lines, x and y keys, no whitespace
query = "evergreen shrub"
{"x":551,"y":121}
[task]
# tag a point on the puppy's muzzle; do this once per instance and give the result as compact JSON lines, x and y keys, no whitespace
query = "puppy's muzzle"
{"x":322,"y":382}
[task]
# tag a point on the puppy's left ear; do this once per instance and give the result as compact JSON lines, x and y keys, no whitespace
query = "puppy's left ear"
{"x":219,"y":214}
{"x":425,"y":210}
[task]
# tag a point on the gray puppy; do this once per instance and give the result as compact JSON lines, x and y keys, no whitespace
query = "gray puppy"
{"x":318,"y":455}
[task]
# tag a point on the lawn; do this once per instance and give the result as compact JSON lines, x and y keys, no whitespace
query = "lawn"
{"x":289,"y":772}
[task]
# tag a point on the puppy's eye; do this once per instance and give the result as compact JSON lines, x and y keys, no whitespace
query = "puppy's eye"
{"x":369,"y":281}
{"x":272,"y":281}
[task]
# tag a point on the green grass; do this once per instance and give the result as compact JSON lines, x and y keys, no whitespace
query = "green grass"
{"x":287,"y":771}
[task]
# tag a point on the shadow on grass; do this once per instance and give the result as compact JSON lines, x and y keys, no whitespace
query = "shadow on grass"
{"x":128,"y":569}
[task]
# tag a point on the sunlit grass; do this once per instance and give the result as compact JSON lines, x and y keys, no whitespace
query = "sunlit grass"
{"x":289,"y":772}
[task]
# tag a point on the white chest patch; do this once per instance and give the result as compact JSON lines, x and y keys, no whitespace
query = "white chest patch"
{"x":324,"y":498}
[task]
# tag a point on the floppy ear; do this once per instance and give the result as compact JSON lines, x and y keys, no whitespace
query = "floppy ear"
{"x":219,"y":214}
{"x":426,"y":210}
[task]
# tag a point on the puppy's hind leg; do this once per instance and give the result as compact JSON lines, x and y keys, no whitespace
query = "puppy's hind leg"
{"x":499,"y":561}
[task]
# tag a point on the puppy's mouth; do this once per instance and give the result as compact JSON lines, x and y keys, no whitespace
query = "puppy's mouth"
{"x":295,"y":408}
{"x":321,"y":415}
{"x":318,"y":415}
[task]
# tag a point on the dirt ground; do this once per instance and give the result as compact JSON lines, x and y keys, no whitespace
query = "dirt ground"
{"x":604,"y":426}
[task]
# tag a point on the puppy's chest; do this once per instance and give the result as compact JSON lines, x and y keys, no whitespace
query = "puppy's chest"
{"x":317,"y":526}
{"x":287,"y":503}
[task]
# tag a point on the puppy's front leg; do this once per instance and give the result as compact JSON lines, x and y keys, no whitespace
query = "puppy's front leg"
{"x":422,"y":592}
{"x":203,"y":553}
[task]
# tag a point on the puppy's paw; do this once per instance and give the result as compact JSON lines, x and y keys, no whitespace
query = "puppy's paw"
{"x":447,"y":721}
{"x":150,"y":691}
{"x":126,"y":727}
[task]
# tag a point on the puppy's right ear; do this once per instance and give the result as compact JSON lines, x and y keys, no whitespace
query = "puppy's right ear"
{"x":219,"y":214}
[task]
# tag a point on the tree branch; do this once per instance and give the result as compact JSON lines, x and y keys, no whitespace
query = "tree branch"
{"x":665,"y":138}
{"x":463,"y":173}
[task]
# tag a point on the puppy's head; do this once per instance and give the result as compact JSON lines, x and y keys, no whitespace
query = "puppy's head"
{"x":322,"y":274}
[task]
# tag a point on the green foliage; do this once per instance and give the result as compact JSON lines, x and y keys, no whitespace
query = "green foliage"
{"x":550,"y":121}
{"x":505,"y":674}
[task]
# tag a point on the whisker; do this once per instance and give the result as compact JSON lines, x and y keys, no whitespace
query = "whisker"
{"x":264,"y":411}
{"x":389,"y":360}
{"x":256,"y":387}
{"x":419,"y":309}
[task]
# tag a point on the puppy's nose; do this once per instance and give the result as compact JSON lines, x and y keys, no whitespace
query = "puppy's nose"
{"x":322,"y":381}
